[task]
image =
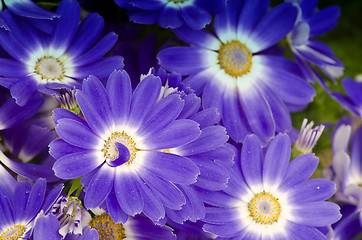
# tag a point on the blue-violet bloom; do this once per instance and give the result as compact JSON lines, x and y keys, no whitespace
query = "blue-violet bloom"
{"x":252,"y":90}
{"x":43,"y":62}
{"x":122,"y":146}
{"x":269,"y":198}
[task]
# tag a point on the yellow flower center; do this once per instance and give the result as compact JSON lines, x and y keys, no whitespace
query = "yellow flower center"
{"x":50,"y":68}
{"x":107,"y":228}
{"x":264,"y":208}
{"x":111,"y":152}
{"x":235,"y":58}
{"x":13,"y":233}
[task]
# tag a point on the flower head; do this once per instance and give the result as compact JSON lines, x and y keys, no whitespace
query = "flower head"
{"x":44,"y":62}
{"x":269,"y":198}
{"x":126,"y":161}
{"x":253,"y":91}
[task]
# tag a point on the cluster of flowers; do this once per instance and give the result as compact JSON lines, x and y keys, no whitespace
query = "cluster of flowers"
{"x":107,"y":138}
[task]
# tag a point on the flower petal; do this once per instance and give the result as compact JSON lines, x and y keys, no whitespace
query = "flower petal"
{"x":99,"y":187}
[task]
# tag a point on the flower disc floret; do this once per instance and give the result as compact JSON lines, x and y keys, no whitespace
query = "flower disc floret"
{"x":50,"y":68}
{"x":112,"y":152}
{"x":235,"y":58}
{"x":107,"y":228}
{"x":264,"y":208}
{"x":13,"y":233}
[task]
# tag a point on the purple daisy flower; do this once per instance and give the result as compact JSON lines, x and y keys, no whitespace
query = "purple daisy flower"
{"x":43,"y":62}
{"x":308,"y":50}
{"x":352,"y":102}
{"x":253,"y":91}
{"x":127,"y":159}
{"x":20,"y":204}
{"x":269,"y":198}
{"x":173,"y":13}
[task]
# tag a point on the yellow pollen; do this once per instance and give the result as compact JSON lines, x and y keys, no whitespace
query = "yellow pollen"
{"x":107,"y":228}
{"x":264,"y":208}
{"x":49,"y":68}
{"x":13,"y":233}
{"x":235,"y":58}
{"x":110,"y":150}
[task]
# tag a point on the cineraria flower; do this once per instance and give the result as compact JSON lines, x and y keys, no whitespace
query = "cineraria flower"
{"x":348,"y":227}
{"x":307,"y":50}
{"x":20,"y":204}
{"x":137,"y":227}
{"x":253,"y":91}
{"x":125,"y":161}
{"x":308,"y":137}
{"x":269,"y":198}
{"x":173,"y":13}
{"x":352,"y":102}
{"x":45,"y":62}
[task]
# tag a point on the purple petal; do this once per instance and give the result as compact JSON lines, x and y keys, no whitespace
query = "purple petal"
{"x":178,"y":133}
{"x":52,"y":196}
{"x":191,"y":106}
{"x":312,"y":190}
{"x":59,"y":148}
{"x":88,"y":32}
{"x":257,"y":111}
{"x":36,"y":198}
{"x":251,"y":13}
{"x":60,"y":113}
{"x":212,"y":95}
{"x":95,"y":119}
{"x":100,"y":68}
{"x":171,"y":167}
{"x":12,"y":46}
{"x":149,"y":5}
{"x":128,"y":193}
{"x":161,"y":115}
{"x":11,"y":68}
{"x":212,"y":6}
{"x":77,"y":164}
{"x":201,"y":38}
{"x":221,"y":215}
{"x":170,"y":17}
{"x":207,"y":117}
{"x":47,"y":227}
{"x":276,"y":160}
{"x":324,"y":20}
{"x":317,"y":214}
{"x":273,"y":27}
{"x":219,"y":198}
{"x":198,"y":81}
{"x":186,"y":60}
{"x":168,"y":193}
{"x":7,"y":182}
{"x":97,"y":51}
{"x":29,"y":170}
{"x":6,"y":215}
{"x":29,"y":9}
{"x":153,"y":207}
{"x":76,"y":134}
{"x":234,"y":118}
{"x":21,"y":196}
{"x":143,"y":99}
{"x":116,"y":212}
{"x":24,"y":89}
{"x":209,"y":139}
{"x":66,"y":25}
{"x":120,"y":93}
{"x":225,"y":23}
{"x":230,"y":229}
{"x":99,"y":187}
{"x":251,"y":161}
{"x":195,"y":17}
{"x":194,"y":208}
{"x":300,"y":169}
{"x":353,"y":89}
{"x":295,"y":231}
